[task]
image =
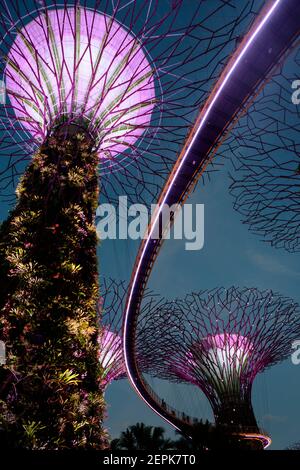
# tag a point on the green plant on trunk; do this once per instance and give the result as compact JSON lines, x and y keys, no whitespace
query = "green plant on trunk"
{"x":50,"y":394}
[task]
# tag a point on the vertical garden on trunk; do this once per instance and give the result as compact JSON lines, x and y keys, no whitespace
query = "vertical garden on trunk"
{"x":50,"y":395}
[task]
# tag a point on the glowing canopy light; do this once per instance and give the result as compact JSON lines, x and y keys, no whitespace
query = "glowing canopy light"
{"x":110,"y":308}
{"x":221,"y":358}
{"x":219,"y":340}
{"x":84,"y":68}
{"x":111,"y":356}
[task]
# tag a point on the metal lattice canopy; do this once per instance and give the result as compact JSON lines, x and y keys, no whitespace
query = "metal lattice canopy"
{"x":110,"y":310}
{"x":133,"y":73}
{"x":220,"y":339}
{"x":265,"y":152}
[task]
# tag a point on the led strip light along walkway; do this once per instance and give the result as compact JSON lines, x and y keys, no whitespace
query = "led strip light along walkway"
{"x":273,"y":33}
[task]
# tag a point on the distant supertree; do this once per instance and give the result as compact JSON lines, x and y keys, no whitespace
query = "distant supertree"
{"x":219,"y":340}
{"x":110,"y":308}
{"x":110,"y":311}
{"x":108,"y":84}
{"x":265,"y":152}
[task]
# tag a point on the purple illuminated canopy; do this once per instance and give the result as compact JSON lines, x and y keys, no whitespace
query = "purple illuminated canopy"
{"x":134,"y":73}
{"x":110,"y":310}
{"x":219,"y":340}
{"x":224,"y":356}
{"x":111,"y":356}
{"x":84,"y":67}
{"x":223,"y":332}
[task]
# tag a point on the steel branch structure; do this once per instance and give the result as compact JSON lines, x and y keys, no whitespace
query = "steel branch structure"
{"x":110,"y":311}
{"x":262,"y":48}
{"x":131,"y":73}
{"x":265,"y":154}
{"x":219,"y":340}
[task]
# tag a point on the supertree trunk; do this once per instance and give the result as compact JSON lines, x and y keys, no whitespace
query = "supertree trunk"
{"x":235,"y":417}
{"x":50,"y":394}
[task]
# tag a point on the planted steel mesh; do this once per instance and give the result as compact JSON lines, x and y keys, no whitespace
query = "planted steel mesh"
{"x":110,"y":311}
{"x":219,"y":340}
{"x":265,"y":150}
{"x":131,"y":74}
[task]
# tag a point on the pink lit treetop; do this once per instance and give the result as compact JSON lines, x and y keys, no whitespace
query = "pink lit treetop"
{"x":110,"y":309}
{"x":82,"y":67}
{"x":219,"y":340}
{"x":133,"y":75}
{"x":227,"y":356}
{"x":111,"y":356}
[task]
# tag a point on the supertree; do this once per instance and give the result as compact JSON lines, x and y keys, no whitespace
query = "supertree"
{"x":219,"y":340}
{"x":264,"y":149}
{"x":110,"y":308}
{"x":139,"y":49}
{"x":114,"y":82}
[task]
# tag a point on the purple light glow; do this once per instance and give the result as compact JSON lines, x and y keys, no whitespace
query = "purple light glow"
{"x":84,"y":67}
{"x":227,"y":341}
{"x":265,"y":440}
{"x":219,"y":340}
{"x":222,"y":357}
{"x":111,"y":356}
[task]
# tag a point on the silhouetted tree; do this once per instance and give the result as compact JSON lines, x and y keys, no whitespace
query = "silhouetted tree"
{"x":207,"y":436}
{"x":203,"y":436}
{"x":142,"y":437}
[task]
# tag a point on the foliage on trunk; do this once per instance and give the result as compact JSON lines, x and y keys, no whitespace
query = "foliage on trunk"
{"x":49,"y":387}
